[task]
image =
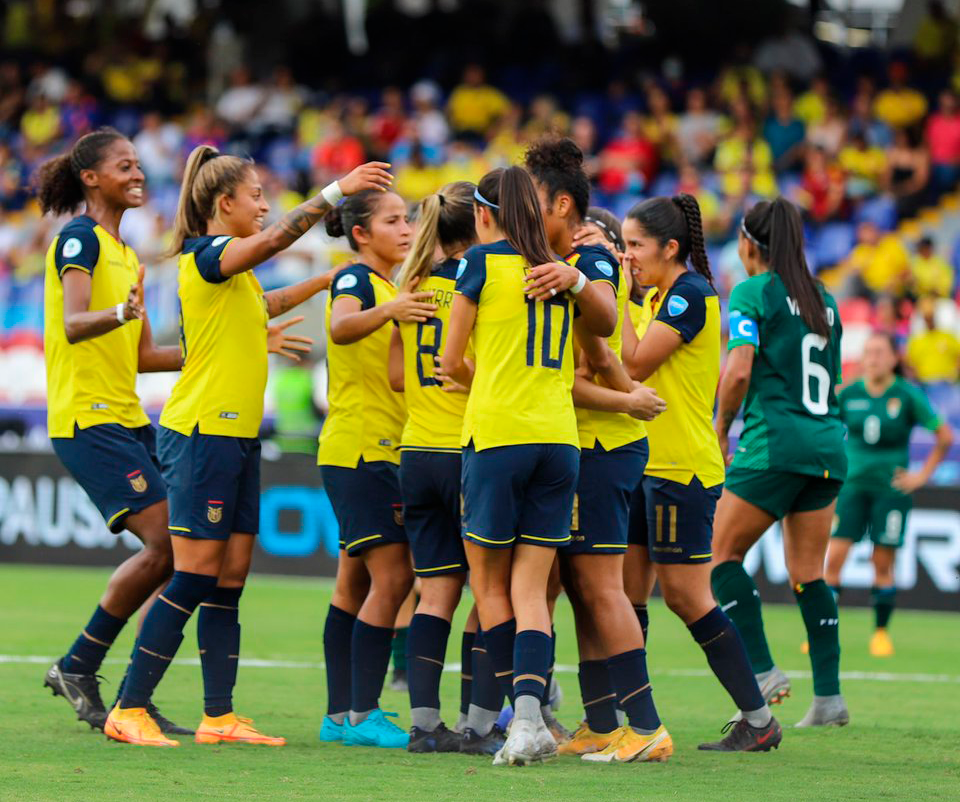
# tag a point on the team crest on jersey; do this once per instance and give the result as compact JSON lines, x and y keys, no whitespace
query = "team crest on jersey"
{"x":137,"y":481}
{"x":398,"y":514}
{"x":461,"y":266}
{"x":72,"y":247}
{"x":214,"y":511}
{"x":605,"y":267}
{"x":346,"y":282}
{"x":893,"y":407}
{"x":676,"y":305}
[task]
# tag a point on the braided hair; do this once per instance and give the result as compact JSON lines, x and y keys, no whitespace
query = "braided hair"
{"x":676,"y":218}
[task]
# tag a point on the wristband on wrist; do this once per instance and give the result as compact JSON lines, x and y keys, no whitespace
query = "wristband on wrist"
{"x":332,"y":193}
{"x":120,"y":318}
{"x":581,"y":283}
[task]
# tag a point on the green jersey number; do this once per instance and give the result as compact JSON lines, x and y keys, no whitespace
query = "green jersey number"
{"x":871,"y":429}
{"x":816,"y":378}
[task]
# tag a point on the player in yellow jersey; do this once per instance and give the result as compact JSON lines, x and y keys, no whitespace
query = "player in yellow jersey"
{"x":679,"y":355}
{"x":97,"y":338}
{"x":613,"y":453}
{"x":520,"y":444}
{"x":359,"y":456}
{"x":208,"y":444}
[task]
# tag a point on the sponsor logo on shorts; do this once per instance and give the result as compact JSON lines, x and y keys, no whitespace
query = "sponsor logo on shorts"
{"x":398,"y":514}
{"x":137,"y":481}
{"x":214,"y":511}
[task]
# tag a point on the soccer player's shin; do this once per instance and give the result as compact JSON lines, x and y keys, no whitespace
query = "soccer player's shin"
{"x":467,"y":641}
{"x":599,"y":697}
{"x":218,"y":636}
{"x":500,"y":646}
{"x":737,"y":595}
{"x":628,"y":675}
{"x":426,"y":648}
{"x":884,"y":600}
{"x":371,"y":652}
{"x":531,"y":664}
{"x":90,"y":647}
{"x":819,"y":611}
{"x":337,"y":642}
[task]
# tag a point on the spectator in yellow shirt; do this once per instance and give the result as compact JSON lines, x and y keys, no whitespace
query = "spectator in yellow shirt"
{"x":929,"y":273}
{"x":877,"y":265}
{"x":864,"y":164}
{"x":811,"y":107}
{"x":474,"y":105}
{"x":933,"y":355}
{"x":898,"y":105}
{"x":40,"y":124}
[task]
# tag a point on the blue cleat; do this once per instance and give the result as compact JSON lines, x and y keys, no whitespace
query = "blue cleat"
{"x":375,"y":730}
{"x":330,"y":731}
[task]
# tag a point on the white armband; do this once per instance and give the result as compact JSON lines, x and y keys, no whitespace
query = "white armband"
{"x":581,"y":283}
{"x":120,"y":318}
{"x":332,"y":193}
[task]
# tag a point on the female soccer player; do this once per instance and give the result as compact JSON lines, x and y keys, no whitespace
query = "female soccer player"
{"x":679,"y":355}
{"x":520,"y":457}
{"x":430,"y":469}
{"x":880,"y":411}
{"x":358,"y":456}
{"x":613,"y":453}
{"x":96,"y":339}
{"x":208,"y":444}
{"x":784,"y":359}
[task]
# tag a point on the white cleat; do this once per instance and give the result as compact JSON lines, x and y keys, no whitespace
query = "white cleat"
{"x":522,"y":745}
{"x":826,"y":711}
{"x":546,"y":743}
{"x":774,"y":688}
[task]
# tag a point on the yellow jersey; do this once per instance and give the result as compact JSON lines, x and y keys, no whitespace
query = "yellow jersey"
{"x":366,"y":416}
{"x":223,"y":341}
{"x":610,"y":429}
{"x":434,"y":417}
{"x":683,"y":443}
{"x":521,"y":392}
{"x":93,"y":381}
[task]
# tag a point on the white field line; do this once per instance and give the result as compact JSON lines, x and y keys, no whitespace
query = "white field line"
{"x":252,"y":662}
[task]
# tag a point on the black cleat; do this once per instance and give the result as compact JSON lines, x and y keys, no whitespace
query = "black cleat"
{"x":440,"y":740}
{"x":167,"y":727}
{"x":82,"y":691}
{"x":741,"y":737}
{"x":489,"y":744}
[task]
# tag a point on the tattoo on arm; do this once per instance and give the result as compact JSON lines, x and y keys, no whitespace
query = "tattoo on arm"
{"x":294,"y":224}
{"x":279,"y":301}
{"x":727,"y":419}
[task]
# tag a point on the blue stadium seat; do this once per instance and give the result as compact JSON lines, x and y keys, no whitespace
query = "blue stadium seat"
{"x":832,"y":243}
{"x":880,"y":211}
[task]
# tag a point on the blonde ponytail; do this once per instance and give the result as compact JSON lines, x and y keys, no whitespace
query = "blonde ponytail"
{"x":206,"y":176}
{"x":420,"y":259}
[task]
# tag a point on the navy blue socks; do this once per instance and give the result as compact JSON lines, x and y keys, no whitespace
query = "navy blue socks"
{"x":371,"y":655}
{"x":466,"y":670}
{"x":90,"y":647}
{"x":599,"y":699}
{"x":643,"y":616}
{"x":531,"y":667}
{"x":218,"y":636}
{"x":426,"y":649}
{"x":628,"y":675}
{"x":727,"y":656}
{"x":337,"y":642}
{"x":500,"y":645}
{"x":162,"y":633}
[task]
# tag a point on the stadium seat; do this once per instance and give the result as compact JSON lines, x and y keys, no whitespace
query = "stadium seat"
{"x":881,"y":211}
{"x":832,"y":243}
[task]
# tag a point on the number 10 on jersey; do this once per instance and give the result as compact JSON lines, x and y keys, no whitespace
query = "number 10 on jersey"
{"x":541,"y":344}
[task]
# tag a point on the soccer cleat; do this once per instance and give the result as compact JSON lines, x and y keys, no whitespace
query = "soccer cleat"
{"x":585,"y":741}
{"x":439,"y":740}
{"x":880,"y":644}
{"x":740,"y":736}
{"x":231,"y":728}
{"x":826,"y":711}
{"x":489,"y":744}
{"x":554,"y":694}
{"x":330,"y":731}
{"x":546,"y":741}
{"x":560,"y":733}
{"x":375,"y":730}
{"x":522,"y":746}
{"x":399,"y":681}
{"x":82,"y":691}
{"x":774,"y":688}
{"x":134,"y":726}
{"x":632,"y":747}
{"x":805,"y":647}
{"x":167,"y":727}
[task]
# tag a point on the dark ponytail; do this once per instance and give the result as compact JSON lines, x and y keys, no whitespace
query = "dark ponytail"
{"x":356,"y":210}
{"x":59,"y":186}
{"x":557,"y":165}
{"x":776,"y":228}
{"x":676,"y":218}
{"x":512,"y":200}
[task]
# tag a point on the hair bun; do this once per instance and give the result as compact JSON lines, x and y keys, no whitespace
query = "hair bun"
{"x":333,"y":223}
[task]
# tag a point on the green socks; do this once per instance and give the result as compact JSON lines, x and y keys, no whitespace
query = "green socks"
{"x":819,"y":611}
{"x":739,"y":599}
{"x":884,"y":600}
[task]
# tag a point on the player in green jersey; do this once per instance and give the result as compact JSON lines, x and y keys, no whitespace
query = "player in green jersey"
{"x":880,"y":411}
{"x":790,"y":463}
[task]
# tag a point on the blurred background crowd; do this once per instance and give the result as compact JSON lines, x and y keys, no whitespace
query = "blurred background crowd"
{"x":861,"y":131}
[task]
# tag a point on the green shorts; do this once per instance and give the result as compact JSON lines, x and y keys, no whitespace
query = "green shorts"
{"x":882,"y":515}
{"x":781,"y":492}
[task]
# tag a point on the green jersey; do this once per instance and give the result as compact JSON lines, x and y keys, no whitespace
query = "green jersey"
{"x":878,"y":430}
{"x":791,"y":420}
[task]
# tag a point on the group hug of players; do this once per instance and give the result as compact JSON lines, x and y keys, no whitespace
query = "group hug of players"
{"x":521,"y":389}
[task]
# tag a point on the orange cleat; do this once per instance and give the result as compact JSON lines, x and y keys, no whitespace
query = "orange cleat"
{"x":585,"y":741}
{"x":231,"y":728}
{"x":135,"y":726}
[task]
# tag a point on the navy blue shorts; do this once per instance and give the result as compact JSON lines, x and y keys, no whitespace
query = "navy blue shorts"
{"x":520,"y":492}
{"x":430,"y":487}
{"x":367,"y":503}
{"x":601,"y":509}
{"x":213,"y":483}
{"x":674,"y":521}
{"x":116,"y":466}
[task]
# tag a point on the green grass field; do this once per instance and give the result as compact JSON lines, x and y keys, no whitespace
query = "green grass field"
{"x":902,"y":742}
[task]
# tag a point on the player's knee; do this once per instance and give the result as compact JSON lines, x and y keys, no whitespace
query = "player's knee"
{"x":157,"y":562}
